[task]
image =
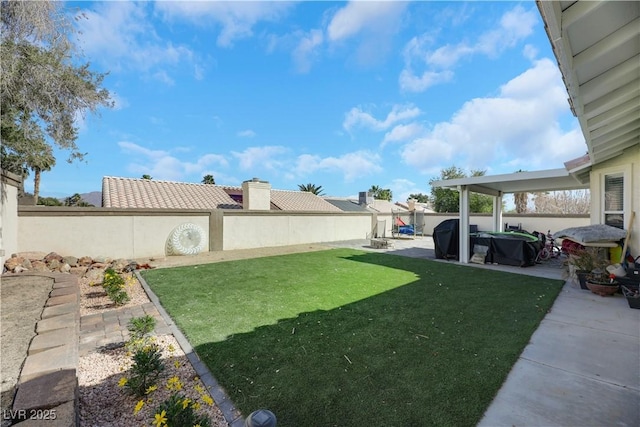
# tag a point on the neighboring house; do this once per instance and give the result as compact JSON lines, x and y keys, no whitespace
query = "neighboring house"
{"x":120,"y":192}
{"x":601,"y":70}
{"x":370,"y":204}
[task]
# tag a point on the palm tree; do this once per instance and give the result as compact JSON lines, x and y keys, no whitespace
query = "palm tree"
{"x":208,"y":179}
{"x":39,"y":162}
{"x":311,"y":188}
{"x":381,"y":193}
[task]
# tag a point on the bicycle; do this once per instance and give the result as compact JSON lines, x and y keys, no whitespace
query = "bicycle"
{"x":549,"y":247}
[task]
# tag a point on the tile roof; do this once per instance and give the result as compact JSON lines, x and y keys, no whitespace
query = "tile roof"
{"x":120,"y":192}
{"x":300,"y":201}
{"x":346,"y":205}
{"x":148,"y":193}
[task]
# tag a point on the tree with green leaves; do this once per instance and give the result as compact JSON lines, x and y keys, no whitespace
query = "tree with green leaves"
{"x":208,"y":179}
{"x":43,"y":87}
{"x":312,"y":188}
{"x":421,"y":198}
{"x":77,"y":201}
{"x":49,"y":201}
{"x":448,"y":200}
{"x":380,"y":193}
{"x":145,"y":176}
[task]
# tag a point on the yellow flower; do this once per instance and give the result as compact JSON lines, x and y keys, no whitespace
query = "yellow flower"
{"x":207,"y":399}
{"x":174,"y":383}
{"x":139,"y":406}
{"x":195,"y":405}
{"x":176,"y":364}
{"x":185,"y":402}
{"x":151,"y":389}
{"x":171,"y":348}
{"x":198,"y":388}
{"x":122,"y":382}
{"x":160,"y":419}
{"x":196,"y":425}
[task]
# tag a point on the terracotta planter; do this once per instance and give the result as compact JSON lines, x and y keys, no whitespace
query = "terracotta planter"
{"x":603,"y":289}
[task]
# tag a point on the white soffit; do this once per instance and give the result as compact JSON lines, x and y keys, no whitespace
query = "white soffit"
{"x":597,"y":46}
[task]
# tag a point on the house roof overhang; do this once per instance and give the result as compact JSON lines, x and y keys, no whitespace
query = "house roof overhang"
{"x":495,"y":185}
{"x":597,"y":47}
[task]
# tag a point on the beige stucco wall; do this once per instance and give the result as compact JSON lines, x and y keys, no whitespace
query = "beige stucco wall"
{"x":114,"y":233}
{"x":9,"y":184}
{"x":629,"y":165}
{"x":243,"y":230}
{"x":529,"y":222}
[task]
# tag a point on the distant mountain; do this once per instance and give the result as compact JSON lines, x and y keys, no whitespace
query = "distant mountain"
{"x":94,"y":198}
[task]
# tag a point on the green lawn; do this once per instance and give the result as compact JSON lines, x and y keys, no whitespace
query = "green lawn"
{"x":350,"y":338}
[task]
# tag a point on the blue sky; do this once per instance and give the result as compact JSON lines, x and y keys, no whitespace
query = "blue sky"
{"x":345,"y":95}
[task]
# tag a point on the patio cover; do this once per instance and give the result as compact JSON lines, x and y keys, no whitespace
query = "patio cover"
{"x":498,"y":185}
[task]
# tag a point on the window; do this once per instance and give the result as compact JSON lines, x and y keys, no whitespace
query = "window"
{"x":614,"y":200}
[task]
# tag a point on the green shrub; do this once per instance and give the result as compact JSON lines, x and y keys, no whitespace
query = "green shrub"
{"x":181,"y":411}
{"x":147,"y":367}
{"x":139,"y":329}
{"x":113,"y":285}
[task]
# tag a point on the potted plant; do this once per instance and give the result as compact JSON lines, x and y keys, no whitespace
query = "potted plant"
{"x":601,"y":282}
{"x":583,"y":262}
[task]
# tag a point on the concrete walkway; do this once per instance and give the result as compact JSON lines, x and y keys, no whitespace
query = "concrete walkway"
{"x":581,"y":368}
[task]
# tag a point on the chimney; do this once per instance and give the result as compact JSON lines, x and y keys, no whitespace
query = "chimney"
{"x":365,"y":198}
{"x":256,"y":195}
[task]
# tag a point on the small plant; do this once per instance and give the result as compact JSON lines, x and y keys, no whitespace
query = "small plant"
{"x":113,"y":285}
{"x":147,"y":367}
{"x":588,"y":259}
{"x":139,"y":329}
{"x":180,"y":410}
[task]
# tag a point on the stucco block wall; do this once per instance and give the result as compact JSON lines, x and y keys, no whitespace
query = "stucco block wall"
{"x":244,"y":230}
{"x":629,"y":165}
{"x":9,"y":184}
{"x":529,"y":222}
{"x":101,"y":232}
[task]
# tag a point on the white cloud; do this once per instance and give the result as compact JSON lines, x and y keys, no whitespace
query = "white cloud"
{"x":412,"y":83}
{"x":236,"y":18}
{"x":306,"y":50}
{"x":260,"y":158}
{"x":359,"y":15}
{"x":121,"y":35}
{"x":517,"y":129}
{"x":515,"y":25}
{"x":161,"y":164}
{"x":357,"y":117}
{"x":371,"y":25}
{"x":403,"y":133}
{"x":351,"y":165}
{"x":247,"y":133}
{"x":402,"y":188}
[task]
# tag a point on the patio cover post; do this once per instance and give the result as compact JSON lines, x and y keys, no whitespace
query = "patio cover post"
{"x":497,"y":212}
{"x":464,"y":224}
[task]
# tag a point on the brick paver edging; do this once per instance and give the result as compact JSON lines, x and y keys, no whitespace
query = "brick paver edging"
{"x":229,"y":410}
{"x":47,"y":389}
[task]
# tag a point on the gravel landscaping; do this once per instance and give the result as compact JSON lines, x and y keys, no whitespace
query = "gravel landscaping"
{"x":103,"y":402}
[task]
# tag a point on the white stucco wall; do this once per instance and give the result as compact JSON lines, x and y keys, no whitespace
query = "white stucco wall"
{"x":100,"y":232}
{"x":8,"y":216}
{"x":629,"y":165}
{"x":529,"y":222}
{"x":244,"y":230}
